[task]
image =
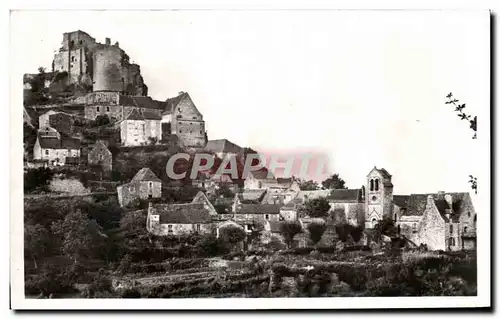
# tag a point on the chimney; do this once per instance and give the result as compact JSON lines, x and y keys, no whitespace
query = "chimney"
{"x":117,"y":44}
{"x":108,"y":41}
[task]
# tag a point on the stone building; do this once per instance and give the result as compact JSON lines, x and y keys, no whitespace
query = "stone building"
{"x":251,"y":213}
{"x":179,"y":219}
{"x":104,"y":66}
{"x":441,"y":221}
{"x":223,"y":147}
{"x":118,"y":106}
{"x":101,"y":156}
{"x":140,"y":128}
{"x":62,"y":122}
{"x":185,"y":121}
{"x":347,"y":206}
{"x":261,"y":179}
{"x":54,"y":151}
{"x":144,"y":185}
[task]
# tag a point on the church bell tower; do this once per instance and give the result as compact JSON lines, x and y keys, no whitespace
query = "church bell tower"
{"x":378,"y":199}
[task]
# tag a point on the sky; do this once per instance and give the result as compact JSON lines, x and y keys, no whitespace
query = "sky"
{"x":365,"y":88}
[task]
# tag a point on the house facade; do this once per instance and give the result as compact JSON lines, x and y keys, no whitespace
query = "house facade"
{"x":101,"y":156}
{"x":441,"y":221}
{"x":54,"y":151}
{"x":179,"y":219}
{"x":140,"y":128}
{"x":144,"y":185}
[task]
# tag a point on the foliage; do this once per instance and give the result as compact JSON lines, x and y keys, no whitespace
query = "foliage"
{"x":459,"y":108}
{"x":36,"y":178}
{"x":101,"y":120}
{"x":78,"y":237}
{"x":315,"y":208}
{"x":131,"y":293}
{"x":232,"y":234}
{"x":316,"y":231}
{"x":386,"y":227}
{"x":307,"y":185}
{"x":289,"y":229}
{"x":334,"y":182}
{"x":36,"y":241}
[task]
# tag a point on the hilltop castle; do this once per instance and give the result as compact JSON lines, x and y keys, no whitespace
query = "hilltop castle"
{"x":104,"y":66}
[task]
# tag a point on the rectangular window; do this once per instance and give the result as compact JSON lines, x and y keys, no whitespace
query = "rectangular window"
{"x":97,"y":108}
{"x":150,"y":184}
{"x":198,"y":227}
{"x":46,"y":152}
{"x":267,"y":216}
{"x":107,"y":109}
{"x":170,"y":229}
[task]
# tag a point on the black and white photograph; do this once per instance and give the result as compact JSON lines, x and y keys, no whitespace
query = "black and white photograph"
{"x":282,"y":159}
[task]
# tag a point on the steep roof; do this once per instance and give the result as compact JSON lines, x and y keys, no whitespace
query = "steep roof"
{"x":172,"y":103}
{"x":382,"y":171}
{"x":62,"y":143}
{"x":136,"y":115}
{"x":223,"y":146}
{"x":257,"y":209}
{"x":145,"y":175}
{"x":201,"y":198}
{"x":345,"y":195}
{"x":401,"y":200}
{"x":251,"y":195}
{"x":418,"y":202}
{"x":144,"y":102}
{"x":182,"y":213}
{"x":262,"y":174}
{"x":98,"y":146}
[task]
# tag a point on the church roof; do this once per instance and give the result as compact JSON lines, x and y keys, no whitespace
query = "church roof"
{"x":401,"y":200}
{"x":345,"y":195}
{"x":145,"y":175}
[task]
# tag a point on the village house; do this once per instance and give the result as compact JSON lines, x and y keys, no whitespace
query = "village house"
{"x":223,"y":148}
{"x":185,"y":121}
{"x":101,"y":157}
{"x":117,"y":106}
{"x":251,"y":196}
{"x":48,"y":132}
{"x":55,"y":151}
{"x":441,"y":221}
{"x":201,"y":198}
{"x":179,"y":219}
{"x":140,"y":128}
{"x":261,"y":179}
{"x":144,"y":185}
{"x":62,"y":122}
{"x":250,"y":213}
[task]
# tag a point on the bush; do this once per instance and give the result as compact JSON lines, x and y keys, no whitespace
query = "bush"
{"x":131,"y":293}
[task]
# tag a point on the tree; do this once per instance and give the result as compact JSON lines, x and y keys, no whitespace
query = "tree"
{"x":343,"y":232}
{"x":307,"y":185}
{"x":101,"y":120}
{"x":37,"y":178}
{"x":315,"y":208}
{"x":232,"y":234}
{"x":36,"y":241}
{"x":386,"y":227}
{"x":289,"y":229}
{"x":75,"y":232}
{"x":316,"y":231}
{"x":459,"y":108}
{"x":334,"y":182}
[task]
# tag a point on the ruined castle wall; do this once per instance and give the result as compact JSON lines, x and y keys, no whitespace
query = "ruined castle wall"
{"x":108,"y":69}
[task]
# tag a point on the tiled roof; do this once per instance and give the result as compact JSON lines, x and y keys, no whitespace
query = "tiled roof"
{"x":145,"y":175}
{"x":306,"y":195}
{"x":257,"y":209}
{"x":251,"y":195}
{"x":145,"y":102}
{"x":418,"y":202}
{"x":63,"y":143}
{"x":223,"y":146}
{"x":401,"y":200}
{"x":136,"y":115}
{"x":173,"y":102}
{"x":262,"y":174}
{"x":345,"y":195}
{"x":182,"y":213}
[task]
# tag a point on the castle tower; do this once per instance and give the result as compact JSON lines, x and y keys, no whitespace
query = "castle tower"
{"x":379,"y":196}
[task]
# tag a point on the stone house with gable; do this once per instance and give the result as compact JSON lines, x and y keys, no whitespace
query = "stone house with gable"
{"x":347,"y":206}
{"x":223,"y":147}
{"x":55,"y":151}
{"x":179,"y":219}
{"x":140,"y":128}
{"x":144,"y":185}
{"x":101,"y":156}
{"x":62,"y":122}
{"x":261,"y":179}
{"x":185,"y":121}
{"x":442,"y":221}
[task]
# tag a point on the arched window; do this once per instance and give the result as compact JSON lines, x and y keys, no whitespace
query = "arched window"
{"x":395,"y":217}
{"x":371,"y":184}
{"x":376,"y":184}
{"x":451,"y":228}
{"x":465,"y":229}
{"x":468,"y":214}
{"x":399,"y":229}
